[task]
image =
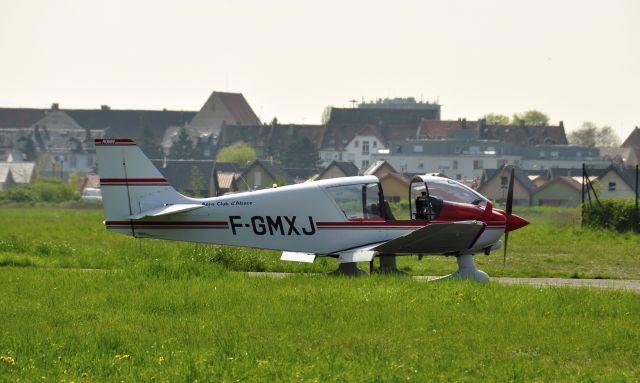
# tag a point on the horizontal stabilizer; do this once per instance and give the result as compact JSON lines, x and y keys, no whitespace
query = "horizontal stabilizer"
{"x":166,"y":210}
{"x":297,"y":257}
{"x":435,"y":238}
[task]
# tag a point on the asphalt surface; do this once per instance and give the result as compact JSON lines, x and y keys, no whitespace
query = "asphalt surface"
{"x":622,"y":284}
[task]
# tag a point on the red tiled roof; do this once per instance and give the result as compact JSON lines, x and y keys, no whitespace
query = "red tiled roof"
{"x":440,"y":129}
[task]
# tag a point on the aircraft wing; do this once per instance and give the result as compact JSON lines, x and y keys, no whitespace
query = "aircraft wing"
{"x":435,"y":238}
{"x":166,"y":210}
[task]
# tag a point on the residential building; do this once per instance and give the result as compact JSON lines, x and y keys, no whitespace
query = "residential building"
{"x":224,"y":176}
{"x":394,"y":185}
{"x":261,"y":175}
{"x":220,"y":109}
{"x":633,"y":140}
{"x":494,"y":184}
{"x":6,"y":178}
{"x":192,"y":177}
{"x":337,"y":169}
{"x":617,"y":183}
{"x":459,"y":159}
{"x":559,"y":191}
{"x":540,"y":157}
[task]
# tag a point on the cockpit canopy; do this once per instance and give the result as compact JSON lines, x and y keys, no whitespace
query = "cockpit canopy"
{"x":428,"y":193}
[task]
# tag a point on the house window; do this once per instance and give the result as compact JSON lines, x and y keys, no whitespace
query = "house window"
{"x":455,"y":164}
{"x":542,"y":154}
{"x":365,"y":147}
{"x":458,"y":176}
{"x":356,"y":143}
{"x":456,"y":150}
{"x":612,"y":185}
{"x":421,"y":165}
{"x":555,"y":155}
{"x":399,"y":149}
{"x":443,"y":164}
{"x":257,"y":179}
{"x":417,"y":148}
{"x":365,"y":164}
{"x":477,"y":164}
{"x":375,"y":144}
{"x":504,"y":182}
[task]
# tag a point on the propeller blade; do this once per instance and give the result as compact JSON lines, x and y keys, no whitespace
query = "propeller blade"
{"x":504,"y":255}
{"x":510,"y":193}
{"x":508,"y":210}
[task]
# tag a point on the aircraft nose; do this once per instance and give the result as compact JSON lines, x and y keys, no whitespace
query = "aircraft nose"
{"x":515,"y":222}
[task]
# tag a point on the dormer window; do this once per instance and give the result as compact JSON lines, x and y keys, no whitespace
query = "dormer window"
{"x":355,"y":143}
{"x":612,"y":185}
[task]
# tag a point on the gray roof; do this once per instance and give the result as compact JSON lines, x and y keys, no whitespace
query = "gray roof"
{"x":274,"y":170}
{"x":348,"y":168}
{"x":21,"y":171}
{"x":178,"y":172}
{"x":520,"y":175}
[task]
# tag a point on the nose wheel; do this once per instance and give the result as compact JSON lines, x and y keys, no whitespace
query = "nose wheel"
{"x":467,"y":269}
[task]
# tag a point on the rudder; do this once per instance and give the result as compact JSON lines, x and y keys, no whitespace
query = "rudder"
{"x":130,"y":183}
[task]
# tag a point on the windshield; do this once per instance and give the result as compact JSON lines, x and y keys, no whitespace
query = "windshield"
{"x":450,"y":190}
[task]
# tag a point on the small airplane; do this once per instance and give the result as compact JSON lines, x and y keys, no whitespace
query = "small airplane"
{"x":344,"y":218}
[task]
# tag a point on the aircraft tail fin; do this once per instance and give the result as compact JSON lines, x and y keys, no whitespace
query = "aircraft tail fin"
{"x":130,"y":184}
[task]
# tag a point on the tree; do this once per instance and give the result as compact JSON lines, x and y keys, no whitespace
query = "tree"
{"x":196,"y":182}
{"x":240,"y":152}
{"x":301,"y":154}
{"x":496,"y":119}
{"x":30,"y":151}
{"x":606,"y":137}
{"x":590,"y":135}
{"x":182,"y":147}
{"x":150,"y":144}
{"x":530,"y":117}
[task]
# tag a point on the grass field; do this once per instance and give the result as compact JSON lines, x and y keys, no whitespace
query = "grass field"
{"x":554,"y":245}
{"x":164,"y":311}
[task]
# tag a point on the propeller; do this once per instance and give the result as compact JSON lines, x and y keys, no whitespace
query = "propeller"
{"x":508,"y":210}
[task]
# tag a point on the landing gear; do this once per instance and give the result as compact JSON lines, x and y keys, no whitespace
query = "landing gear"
{"x":467,"y":269}
{"x":347,"y":269}
{"x":388,"y":265}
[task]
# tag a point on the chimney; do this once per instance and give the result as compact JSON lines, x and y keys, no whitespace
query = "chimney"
{"x":561,"y":124}
{"x":105,"y":107}
{"x":55,"y":106}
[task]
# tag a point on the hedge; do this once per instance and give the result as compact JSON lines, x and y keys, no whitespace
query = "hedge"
{"x":620,"y":215}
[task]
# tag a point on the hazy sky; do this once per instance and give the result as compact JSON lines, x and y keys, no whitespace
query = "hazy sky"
{"x":574,"y":60}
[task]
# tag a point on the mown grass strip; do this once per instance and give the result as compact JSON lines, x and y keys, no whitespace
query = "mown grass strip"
{"x":168,"y":325}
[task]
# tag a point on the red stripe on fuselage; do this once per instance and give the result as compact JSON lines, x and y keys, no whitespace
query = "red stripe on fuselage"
{"x":113,"y":141}
{"x":173,"y":224}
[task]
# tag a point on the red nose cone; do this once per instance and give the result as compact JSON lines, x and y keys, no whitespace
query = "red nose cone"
{"x":515,"y":222}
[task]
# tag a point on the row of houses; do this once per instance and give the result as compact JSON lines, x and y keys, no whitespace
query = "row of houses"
{"x":549,"y":187}
{"x":404,"y":133}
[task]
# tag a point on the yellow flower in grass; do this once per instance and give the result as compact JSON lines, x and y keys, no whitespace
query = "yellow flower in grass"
{"x":161,"y":359}
{"x":262,"y":363}
{"x":8,"y":360}
{"x":122,"y":356}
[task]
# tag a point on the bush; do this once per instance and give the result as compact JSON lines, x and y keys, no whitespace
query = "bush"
{"x":620,"y":215}
{"x":42,"y":190}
